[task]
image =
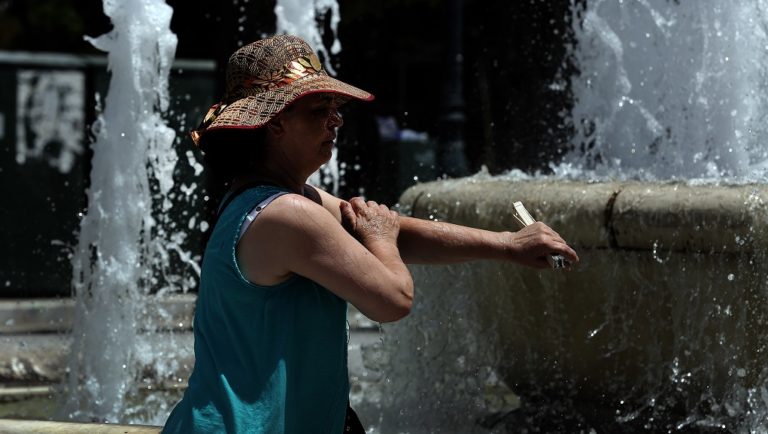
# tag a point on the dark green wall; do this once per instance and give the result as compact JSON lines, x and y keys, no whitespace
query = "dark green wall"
{"x":41,"y":205}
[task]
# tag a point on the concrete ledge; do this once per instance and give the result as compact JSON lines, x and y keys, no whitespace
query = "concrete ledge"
{"x":42,"y":358}
{"x":690,"y":218}
{"x":55,"y":315}
{"x":629,"y":216}
{"x":577,"y":210}
{"x":12,"y":426}
{"x":172,"y":313}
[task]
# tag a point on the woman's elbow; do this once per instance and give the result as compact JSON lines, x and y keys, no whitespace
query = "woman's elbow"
{"x":401,"y":307}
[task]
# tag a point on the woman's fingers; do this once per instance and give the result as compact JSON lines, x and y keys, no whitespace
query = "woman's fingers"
{"x":534,"y":243}
{"x":374,"y":220}
{"x":348,"y":217}
{"x":569,"y":253}
{"x":357,"y":203}
{"x":558,"y":245}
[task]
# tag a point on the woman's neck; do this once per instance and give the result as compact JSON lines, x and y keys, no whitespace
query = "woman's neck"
{"x":285,"y":180}
{"x":277,"y":168}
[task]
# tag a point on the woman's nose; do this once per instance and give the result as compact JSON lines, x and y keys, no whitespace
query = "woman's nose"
{"x":334,"y":119}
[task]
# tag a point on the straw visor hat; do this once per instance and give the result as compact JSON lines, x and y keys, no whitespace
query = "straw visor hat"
{"x":264,"y":77}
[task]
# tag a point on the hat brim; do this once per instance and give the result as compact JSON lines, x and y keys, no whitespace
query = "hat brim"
{"x":256,"y":110}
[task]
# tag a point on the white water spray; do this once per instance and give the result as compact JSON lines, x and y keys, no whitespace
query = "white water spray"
{"x":120,"y":241}
{"x":670,"y":90}
{"x":297,"y":17}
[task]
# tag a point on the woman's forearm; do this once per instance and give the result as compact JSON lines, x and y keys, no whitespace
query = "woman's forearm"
{"x":428,"y":242}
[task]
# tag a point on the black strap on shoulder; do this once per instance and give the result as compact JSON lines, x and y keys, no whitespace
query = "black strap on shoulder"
{"x":233,"y":193}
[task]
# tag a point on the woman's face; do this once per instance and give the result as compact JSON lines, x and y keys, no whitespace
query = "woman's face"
{"x":309,"y":128}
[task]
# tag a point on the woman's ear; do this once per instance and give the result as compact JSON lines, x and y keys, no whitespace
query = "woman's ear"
{"x":275,"y":126}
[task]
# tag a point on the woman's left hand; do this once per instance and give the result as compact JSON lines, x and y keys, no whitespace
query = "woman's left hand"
{"x":531,"y":245}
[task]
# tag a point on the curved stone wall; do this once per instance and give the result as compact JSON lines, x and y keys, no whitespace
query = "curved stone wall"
{"x":607,"y":215}
{"x":669,"y":300}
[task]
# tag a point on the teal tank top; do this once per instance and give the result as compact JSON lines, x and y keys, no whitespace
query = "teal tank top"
{"x":268,"y":359}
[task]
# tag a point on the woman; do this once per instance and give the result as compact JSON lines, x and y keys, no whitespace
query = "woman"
{"x":270,"y":323}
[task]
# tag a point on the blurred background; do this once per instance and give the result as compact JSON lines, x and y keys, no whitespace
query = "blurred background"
{"x":459,"y":85}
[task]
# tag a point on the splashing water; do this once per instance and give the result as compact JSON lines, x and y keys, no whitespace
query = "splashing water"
{"x":122,"y":264}
{"x":666,"y":89}
{"x":669,"y":89}
{"x":295,"y":17}
{"x":121,"y":244}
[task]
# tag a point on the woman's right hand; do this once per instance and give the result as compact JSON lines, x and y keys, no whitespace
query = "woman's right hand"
{"x":370,"y":221}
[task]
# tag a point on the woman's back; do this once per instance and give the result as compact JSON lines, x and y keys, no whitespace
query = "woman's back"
{"x":269,"y":359}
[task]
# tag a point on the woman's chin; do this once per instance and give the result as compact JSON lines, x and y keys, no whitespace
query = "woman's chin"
{"x":326,"y":151}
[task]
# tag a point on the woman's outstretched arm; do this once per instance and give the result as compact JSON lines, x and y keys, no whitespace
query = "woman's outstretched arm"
{"x":429,"y":242}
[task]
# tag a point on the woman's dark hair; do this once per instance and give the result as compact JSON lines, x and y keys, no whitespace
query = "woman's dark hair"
{"x":228,"y":153}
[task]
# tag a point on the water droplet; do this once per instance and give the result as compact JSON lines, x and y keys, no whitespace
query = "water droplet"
{"x":731,"y":277}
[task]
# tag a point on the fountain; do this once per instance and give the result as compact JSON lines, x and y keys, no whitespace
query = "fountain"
{"x":663,"y":325}
{"x":661,"y":328}
{"x":657,"y":97}
{"x":124,"y":246}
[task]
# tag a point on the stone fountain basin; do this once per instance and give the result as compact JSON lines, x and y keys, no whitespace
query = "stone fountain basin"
{"x":668,"y":300}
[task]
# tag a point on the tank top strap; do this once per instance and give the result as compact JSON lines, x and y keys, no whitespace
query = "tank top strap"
{"x":253,"y":213}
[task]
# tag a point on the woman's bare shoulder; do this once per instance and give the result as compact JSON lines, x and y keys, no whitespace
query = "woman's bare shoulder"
{"x":295,"y":212}
{"x":281,"y":234}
